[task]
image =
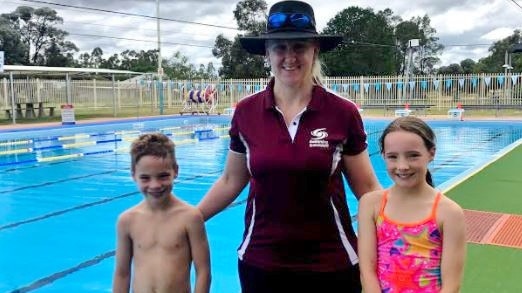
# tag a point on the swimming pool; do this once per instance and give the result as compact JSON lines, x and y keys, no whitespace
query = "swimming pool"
{"x":62,"y":189}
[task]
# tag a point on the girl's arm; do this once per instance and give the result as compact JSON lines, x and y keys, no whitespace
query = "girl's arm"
{"x":200,"y":251}
{"x":453,"y":246}
{"x":367,"y":242}
{"x":122,"y":272}
{"x":234,"y":178}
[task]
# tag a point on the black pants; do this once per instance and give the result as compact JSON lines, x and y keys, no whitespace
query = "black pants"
{"x":256,"y":280}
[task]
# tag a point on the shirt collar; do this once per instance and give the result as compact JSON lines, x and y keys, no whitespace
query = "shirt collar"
{"x":318,"y":94}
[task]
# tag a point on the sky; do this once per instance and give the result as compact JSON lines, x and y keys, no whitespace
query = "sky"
{"x":467,"y":28}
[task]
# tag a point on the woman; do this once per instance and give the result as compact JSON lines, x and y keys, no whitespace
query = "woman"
{"x":292,"y":142}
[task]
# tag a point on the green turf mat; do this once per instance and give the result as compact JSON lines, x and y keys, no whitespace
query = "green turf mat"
{"x":492,"y":269}
{"x":497,"y":188}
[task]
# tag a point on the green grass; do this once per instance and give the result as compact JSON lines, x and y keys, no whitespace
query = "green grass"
{"x":496,"y":188}
{"x":492,"y":269}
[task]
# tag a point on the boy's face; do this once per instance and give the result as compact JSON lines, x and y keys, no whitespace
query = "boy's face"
{"x":155,"y":177}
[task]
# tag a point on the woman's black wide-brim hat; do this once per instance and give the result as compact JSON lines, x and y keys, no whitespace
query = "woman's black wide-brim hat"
{"x":289,"y":20}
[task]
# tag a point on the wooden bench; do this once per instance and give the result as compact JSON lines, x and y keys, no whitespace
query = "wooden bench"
{"x":30,"y":111}
{"x":421,"y":108}
{"x":492,"y":107}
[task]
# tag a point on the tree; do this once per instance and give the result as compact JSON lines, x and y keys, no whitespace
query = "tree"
{"x":368,"y":48}
{"x":59,"y":54}
{"x":250,"y":15}
{"x":453,"y":68}
{"x":418,"y":28}
{"x":211,"y":70}
{"x":468,"y":65}
{"x":39,"y":34}
{"x":142,"y":61}
{"x":235,"y":61}
{"x":10,"y":42}
{"x":84,"y":60}
{"x":96,"y":57}
{"x":178,"y":67}
{"x":494,"y":62}
{"x":377,"y":43}
{"x":113,"y":62}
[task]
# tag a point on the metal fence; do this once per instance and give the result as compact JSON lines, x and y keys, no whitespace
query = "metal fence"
{"x":439,"y":92}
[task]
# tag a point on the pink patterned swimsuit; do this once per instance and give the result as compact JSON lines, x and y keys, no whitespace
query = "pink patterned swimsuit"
{"x":409,"y":254}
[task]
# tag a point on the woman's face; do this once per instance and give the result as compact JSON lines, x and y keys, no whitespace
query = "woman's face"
{"x":291,"y":61}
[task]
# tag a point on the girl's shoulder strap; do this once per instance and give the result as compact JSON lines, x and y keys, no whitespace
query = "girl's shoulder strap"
{"x":435,"y":205}
{"x":384,"y":200}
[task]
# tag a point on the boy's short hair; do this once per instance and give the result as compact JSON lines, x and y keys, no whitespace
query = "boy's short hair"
{"x":152,"y":144}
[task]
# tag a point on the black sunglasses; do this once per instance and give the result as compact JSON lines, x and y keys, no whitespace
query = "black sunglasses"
{"x":297,"y":20}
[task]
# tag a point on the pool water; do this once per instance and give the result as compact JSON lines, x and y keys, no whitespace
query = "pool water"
{"x":62,"y":189}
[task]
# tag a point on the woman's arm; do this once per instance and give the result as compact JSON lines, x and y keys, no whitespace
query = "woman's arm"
{"x":234,"y":178}
{"x":359,"y":173}
{"x":122,"y":272}
{"x":453,"y":246}
{"x":367,"y":242}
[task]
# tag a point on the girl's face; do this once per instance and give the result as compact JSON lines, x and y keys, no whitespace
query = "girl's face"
{"x":406,"y":158}
{"x":155,"y":177}
{"x":291,"y":61}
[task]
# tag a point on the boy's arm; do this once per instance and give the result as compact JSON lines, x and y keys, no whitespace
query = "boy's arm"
{"x":121,"y":280}
{"x":200,"y":251}
{"x":367,"y":243}
{"x":453,"y":248}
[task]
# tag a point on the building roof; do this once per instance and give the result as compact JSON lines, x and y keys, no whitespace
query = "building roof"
{"x":34,"y":70}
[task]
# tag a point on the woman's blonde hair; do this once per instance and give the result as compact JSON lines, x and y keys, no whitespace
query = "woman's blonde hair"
{"x":317,"y":72}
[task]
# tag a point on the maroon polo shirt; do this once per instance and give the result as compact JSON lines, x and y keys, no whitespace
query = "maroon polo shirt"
{"x":296,"y":214}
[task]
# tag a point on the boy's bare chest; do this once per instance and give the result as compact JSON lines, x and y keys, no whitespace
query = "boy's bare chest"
{"x":167,"y":235}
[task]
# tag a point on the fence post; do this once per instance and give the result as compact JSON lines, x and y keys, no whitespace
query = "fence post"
{"x":113,"y":96}
{"x":6,"y":93}
{"x":118,"y":87}
{"x":94,"y":94}
{"x":12,"y":97}
{"x":169,"y":93}
{"x":68,"y":89}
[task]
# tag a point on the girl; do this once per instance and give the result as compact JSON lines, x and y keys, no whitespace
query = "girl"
{"x":411,"y":237}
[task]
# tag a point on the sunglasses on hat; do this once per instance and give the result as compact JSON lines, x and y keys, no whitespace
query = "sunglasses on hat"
{"x":297,"y":20}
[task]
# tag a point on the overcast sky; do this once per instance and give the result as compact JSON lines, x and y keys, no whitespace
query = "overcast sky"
{"x":465,"y":27}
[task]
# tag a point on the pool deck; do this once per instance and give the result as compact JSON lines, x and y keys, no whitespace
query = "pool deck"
{"x":493,"y":208}
{"x":492,"y":201}
{"x":6,"y":127}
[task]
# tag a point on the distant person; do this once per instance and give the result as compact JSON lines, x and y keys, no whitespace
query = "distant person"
{"x":162,"y":235}
{"x":293,"y":142}
{"x":411,"y":237}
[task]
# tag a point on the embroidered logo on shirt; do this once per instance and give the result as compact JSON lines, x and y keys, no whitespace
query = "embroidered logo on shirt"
{"x":318,"y":136}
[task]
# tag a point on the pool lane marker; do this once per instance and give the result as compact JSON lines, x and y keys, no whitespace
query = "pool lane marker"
{"x":86,"y":205}
{"x":60,"y":212}
{"x":13,"y":143}
{"x":17,"y":151}
{"x":59,"y":275}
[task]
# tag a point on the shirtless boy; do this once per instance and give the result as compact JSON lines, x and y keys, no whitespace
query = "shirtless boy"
{"x":161,"y":236}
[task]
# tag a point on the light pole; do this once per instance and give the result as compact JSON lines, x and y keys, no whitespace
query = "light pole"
{"x":412,"y":44}
{"x":160,"y":69}
{"x":516,"y":48}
